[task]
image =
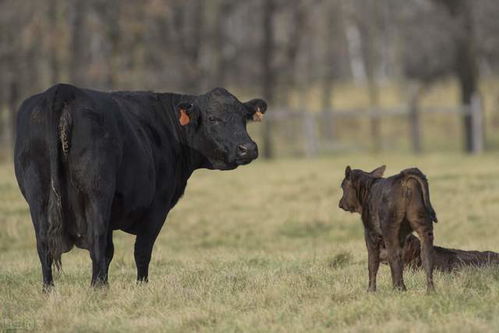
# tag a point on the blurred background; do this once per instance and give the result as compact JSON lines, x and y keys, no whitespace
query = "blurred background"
{"x":339,"y":75}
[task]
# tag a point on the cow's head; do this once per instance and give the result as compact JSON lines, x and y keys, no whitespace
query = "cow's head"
{"x":216,"y":127}
{"x":351,"y":186}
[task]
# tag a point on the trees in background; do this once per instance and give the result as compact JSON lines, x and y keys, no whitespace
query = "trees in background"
{"x":275,"y":48}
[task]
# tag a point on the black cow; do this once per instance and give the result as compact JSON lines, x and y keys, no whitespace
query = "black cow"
{"x":90,"y":162}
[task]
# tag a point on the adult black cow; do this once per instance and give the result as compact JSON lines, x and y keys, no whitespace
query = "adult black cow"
{"x":90,"y":162}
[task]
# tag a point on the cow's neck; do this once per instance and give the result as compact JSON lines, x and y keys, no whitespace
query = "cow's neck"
{"x":188,"y":158}
{"x":364,"y":185}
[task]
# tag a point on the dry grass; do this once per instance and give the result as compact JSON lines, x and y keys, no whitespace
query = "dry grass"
{"x":265,"y":248}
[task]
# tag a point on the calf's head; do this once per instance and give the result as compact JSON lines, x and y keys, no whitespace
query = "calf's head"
{"x":352,"y":186}
{"x":216,"y":127}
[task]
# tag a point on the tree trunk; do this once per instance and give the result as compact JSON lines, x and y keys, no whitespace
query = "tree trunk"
{"x":223,"y":12}
{"x":327,"y":82}
{"x":110,"y":14}
{"x":293,"y":45}
{"x":370,"y":58}
{"x":78,"y":63}
{"x":465,"y":60}
{"x":267,"y":52}
{"x":53,"y":18}
{"x":414,"y":118}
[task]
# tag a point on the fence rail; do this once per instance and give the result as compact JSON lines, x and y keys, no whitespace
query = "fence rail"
{"x":312,"y":121}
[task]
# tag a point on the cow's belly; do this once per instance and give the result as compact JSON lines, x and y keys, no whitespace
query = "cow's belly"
{"x":132,"y":200}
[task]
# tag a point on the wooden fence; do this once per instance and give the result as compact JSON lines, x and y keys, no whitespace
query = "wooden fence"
{"x":311,"y":123}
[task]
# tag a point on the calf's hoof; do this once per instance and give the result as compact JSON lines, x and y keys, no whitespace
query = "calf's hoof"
{"x":371,"y":289}
{"x":430,"y":290}
{"x":47,"y":288}
{"x":400,"y":287}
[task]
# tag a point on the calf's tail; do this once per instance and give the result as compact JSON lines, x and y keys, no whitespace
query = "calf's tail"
{"x":417,"y":175}
{"x":59,"y":131}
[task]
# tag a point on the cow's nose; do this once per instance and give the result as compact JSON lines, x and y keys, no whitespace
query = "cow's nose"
{"x":247,"y":150}
{"x":242,"y":150}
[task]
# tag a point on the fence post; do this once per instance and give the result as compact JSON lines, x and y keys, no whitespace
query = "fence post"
{"x":477,"y":132}
{"x":414,"y":122}
{"x":310,"y":134}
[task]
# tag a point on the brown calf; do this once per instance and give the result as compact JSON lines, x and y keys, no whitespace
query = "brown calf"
{"x":444,"y":260}
{"x":391,"y":208}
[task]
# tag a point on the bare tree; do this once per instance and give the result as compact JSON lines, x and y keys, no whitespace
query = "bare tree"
{"x":466,"y":68}
{"x":268,"y":77}
{"x":78,"y":65}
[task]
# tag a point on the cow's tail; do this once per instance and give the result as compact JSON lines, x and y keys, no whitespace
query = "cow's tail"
{"x":59,"y":131}
{"x":416,"y":174}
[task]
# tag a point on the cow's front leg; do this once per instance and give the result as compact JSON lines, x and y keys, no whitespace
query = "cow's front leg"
{"x":143,"y":249}
{"x":109,"y":250}
{"x":373,"y":247}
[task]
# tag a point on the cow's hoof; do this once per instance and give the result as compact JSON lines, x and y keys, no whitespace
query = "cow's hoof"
{"x":47,"y":288}
{"x":99,"y":285}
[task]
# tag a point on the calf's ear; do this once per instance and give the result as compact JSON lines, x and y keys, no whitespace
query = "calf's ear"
{"x":348,"y":172}
{"x":255,"y":109}
{"x":378,"y":172}
{"x":184,"y":113}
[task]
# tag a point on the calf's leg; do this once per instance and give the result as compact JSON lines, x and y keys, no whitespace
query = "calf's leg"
{"x":424,"y":229}
{"x":373,"y":248}
{"x":391,"y":237}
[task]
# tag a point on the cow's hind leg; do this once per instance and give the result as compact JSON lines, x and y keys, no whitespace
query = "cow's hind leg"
{"x":40,"y":224}
{"x":97,"y":216}
{"x":38,"y":211}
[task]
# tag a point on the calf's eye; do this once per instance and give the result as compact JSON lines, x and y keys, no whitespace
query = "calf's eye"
{"x":211,"y":118}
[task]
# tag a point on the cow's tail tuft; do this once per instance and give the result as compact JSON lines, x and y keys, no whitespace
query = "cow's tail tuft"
{"x":417,"y":175}
{"x":59,"y":126}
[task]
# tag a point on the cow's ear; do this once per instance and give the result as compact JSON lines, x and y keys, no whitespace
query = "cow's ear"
{"x":255,"y":109}
{"x":378,"y":172}
{"x":184,"y":113}
{"x":348,"y":172}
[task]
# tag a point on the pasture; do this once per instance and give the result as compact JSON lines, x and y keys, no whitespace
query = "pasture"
{"x":265,"y":248}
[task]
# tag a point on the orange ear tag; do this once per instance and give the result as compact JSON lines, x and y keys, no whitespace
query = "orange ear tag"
{"x":258,"y":116}
{"x":184,"y":118}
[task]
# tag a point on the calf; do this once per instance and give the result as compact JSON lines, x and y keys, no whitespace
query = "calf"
{"x":391,"y":208}
{"x":445,"y":260}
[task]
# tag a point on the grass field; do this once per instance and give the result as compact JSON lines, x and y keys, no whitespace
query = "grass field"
{"x":265,"y":248}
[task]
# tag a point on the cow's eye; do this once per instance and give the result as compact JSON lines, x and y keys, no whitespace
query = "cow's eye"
{"x":211,"y":118}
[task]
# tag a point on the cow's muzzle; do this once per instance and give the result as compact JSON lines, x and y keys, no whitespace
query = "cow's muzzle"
{"x":246,"y":153}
